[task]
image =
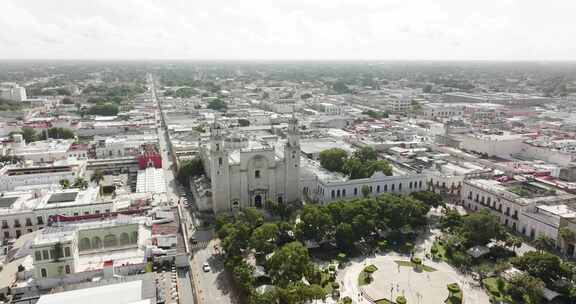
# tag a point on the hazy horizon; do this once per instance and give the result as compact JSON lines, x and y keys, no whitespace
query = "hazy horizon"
{"x":288,"y":30}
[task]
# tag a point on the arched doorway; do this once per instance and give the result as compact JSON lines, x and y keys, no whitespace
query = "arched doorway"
{"x":258,"y":201}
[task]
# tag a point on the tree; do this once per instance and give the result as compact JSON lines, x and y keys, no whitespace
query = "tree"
{"x":345,"y":237}
{"x":289,"y":264}
{"x":264,"y":238}
{"x":67,"y":101}
{"x":80,"y":183}
{"x":251,"y":217}
{"x":427,"y":88}
{"x":365,"y":191}
{"x":480,"y":227}
{"x":57,"y":133}
{"x":366,"y":153}
{"x":190,"y":168}
{"x":306,"y":96}
{"x":315,"y":223}
{"x":544,"y":243}
{"x":428,"y":197}
{"x":333,"y":159}
{"x":243,"y":122}
{"x":524,"y":287}
{"x":378,"y":166}
{"x":97,"y":176}
{"x":64,"y":183}
{"x":217,"y":105}
{"x":28,"y":134}
{"x":543,"y":265}
{"x":567,"y":236}
{"x":107,"y":109}
{"x":451,"y":220}
{"x":340,"y":87}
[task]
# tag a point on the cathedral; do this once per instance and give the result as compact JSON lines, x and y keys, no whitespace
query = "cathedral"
{"x":249,"y":172}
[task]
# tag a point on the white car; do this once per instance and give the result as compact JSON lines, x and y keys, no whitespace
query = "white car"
{"x":206,"y":267}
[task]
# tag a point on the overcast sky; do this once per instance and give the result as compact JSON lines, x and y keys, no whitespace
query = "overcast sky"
{"x":288,"y":29}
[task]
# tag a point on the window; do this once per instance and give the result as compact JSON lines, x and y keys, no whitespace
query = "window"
{"x":28,"y":221}
{"x":217,"y":147}
{"x":378,"y":188}
{"x":280,"y":199}
{"x":86,"y":212}
{"x":4,"y":224}
{"x":16,"y":223}
{"x":385,"y":188}
{"x":67,"y":269}
{"x":43,"y":272}
{"x":420,"y":184}
{"x":107,"y":210}
{"x":18,"y":233}
{"x":75,"y":213}
{"x":66,"y":251}
{"x":338,"y":193}
{"x":38,"y":255}
{"x":333,"y":194}
{"x":392,"y":187}
{"x":220,"y":161}
{"x":40,"y":220}
{"x":344,"y":192}
{"x":400,"y":187}
{"x":257,"y":174}
{"x":6,"y":234}
{"x":45,"y":254}
{"x":355,"y":191}
{"x":97,"y":212}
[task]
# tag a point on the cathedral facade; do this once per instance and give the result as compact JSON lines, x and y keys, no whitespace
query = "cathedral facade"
{"x":251,"y":172}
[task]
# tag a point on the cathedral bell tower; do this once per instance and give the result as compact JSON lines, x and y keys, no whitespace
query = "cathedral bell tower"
{"x":292,"y":161}
{"x":219,"y":170}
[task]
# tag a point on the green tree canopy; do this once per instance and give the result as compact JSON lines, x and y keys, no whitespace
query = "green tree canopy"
{"x":479,"y":228}
{"x":264,"y":238}
{"x":217,"y":105}
{"x":431,"y":198}
{"x":543,"y":265}
{"x":106,"y":109}
{"x":289,"y":264}
{"x":190,"y":168}
{"x":315,"y":223}
{"x":526,"y":288}
{"x":333,"y":159}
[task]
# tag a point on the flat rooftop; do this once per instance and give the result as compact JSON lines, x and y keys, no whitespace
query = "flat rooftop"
{"x":121,"y":293}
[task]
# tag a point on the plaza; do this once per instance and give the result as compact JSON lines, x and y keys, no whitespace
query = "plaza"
{"x":392,"y":280}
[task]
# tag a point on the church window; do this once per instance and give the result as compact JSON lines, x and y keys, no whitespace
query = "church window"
{"x":257,"y":174}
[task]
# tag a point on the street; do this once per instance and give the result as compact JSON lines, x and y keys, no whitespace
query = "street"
{"x":213,"y":286}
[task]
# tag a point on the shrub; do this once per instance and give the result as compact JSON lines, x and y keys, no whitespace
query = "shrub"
{"x":416,"y":260}
{"x":401,"y":300}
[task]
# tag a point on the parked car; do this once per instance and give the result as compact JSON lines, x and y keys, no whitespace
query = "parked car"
{"x":206,"y":267}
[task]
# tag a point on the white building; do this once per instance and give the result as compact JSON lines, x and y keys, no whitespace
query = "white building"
{"x":151,"y":180}
{"x":23,"y":175}
{"x":12,"y":92}
{"x":323,"y":186}
{"x":248,"y":173}
{"x":23,"y":212}
{"x":530,"y":208}
{"x":42,"y":151}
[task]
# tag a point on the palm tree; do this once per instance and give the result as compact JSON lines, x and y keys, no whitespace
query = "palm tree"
{"x":64,"y":183}
{"x":97,"y":177}
{"x":80,"y":183}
